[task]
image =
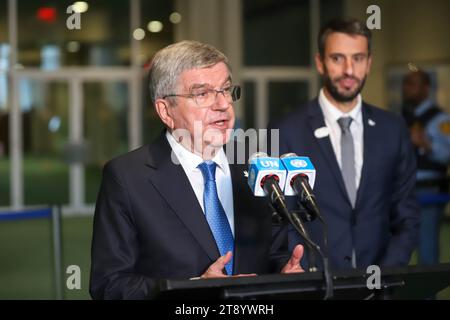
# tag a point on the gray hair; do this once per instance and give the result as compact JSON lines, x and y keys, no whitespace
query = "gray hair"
{"x":168,"y":64}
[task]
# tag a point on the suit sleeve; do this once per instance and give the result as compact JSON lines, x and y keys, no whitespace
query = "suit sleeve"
{"x":279,"y":254}
{"x":404,"y":216}
{"x":115,"y":245}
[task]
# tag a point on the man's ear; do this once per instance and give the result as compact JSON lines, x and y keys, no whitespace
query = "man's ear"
{"x":162,"y":109}
{"x":319,"y":63}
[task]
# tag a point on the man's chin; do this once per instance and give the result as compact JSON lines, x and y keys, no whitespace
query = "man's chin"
{"x":217,"y":136}
{"x":212,"y":143}
{"x":218,"y":140}
{"x":347,"y":98}
{"x":344,"y":96}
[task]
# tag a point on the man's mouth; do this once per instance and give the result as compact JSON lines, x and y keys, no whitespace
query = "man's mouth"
{"x":219,"y":123}
{"x":348,"y":83}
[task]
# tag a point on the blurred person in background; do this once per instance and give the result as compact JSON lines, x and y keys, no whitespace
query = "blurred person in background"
{"x":429,"y":128}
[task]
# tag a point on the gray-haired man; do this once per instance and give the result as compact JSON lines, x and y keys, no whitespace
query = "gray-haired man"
{"x":179,"y":208}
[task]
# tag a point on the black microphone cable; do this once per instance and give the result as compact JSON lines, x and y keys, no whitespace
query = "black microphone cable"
{"x":277,"y":200}
{"x":307,"y":200}
{"x":300,"y":183}
{"x":298,"y":225}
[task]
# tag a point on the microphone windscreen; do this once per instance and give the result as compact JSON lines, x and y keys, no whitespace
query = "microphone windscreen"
{"x":296,"y":165}
{"x":262,"y":166}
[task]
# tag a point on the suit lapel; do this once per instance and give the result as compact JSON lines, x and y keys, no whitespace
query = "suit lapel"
{"x":317,"y":121}
{"x":369,"y":156}
{"x":237,"y":176}
{"x":241,"y":192}
{"x":171,"y":182}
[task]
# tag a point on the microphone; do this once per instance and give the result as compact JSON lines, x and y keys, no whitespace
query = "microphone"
{"x":263,"y":172}
{"x":267,"y":177}
{"x":300,"y":173}
{"x":301,"y":176}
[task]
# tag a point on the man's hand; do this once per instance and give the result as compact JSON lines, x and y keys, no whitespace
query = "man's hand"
{"x":293,"y":265}
{"x":216,"y":269}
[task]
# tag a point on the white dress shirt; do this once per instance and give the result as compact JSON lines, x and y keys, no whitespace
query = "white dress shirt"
{"x":190,"y":161}
{"x":331,"y":115}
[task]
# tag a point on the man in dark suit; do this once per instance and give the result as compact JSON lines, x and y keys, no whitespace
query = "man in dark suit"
{"x":179,"y":207}
{"x":363,"y":156}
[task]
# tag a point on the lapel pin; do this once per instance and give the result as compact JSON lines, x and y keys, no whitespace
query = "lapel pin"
{"x":322,"y":132}
{"x":371,"y":123}
{"x":246,"y":173}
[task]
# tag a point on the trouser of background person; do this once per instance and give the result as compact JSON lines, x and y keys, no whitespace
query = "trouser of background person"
{"x":431,"y":217}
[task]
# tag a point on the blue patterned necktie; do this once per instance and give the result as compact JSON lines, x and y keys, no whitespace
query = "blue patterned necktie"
{"x":215,"y":214}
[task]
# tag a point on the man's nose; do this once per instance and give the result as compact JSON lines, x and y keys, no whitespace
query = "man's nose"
{"x":221,"y":102}
{"x":349,"y":68}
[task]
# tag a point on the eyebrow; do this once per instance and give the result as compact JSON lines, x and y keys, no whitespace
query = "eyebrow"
{"x":203,"y":85}
{"x":353,"y":54}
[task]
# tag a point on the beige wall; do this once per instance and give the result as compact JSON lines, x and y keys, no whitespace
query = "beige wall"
{"x":412,"y":31}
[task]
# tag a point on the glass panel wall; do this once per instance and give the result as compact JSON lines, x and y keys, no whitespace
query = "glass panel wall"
{"x":276,"y":32}
{"x":285,"y":96}
{"x":158,"y":20}
{"x":105,"y":127}
{"x":4,"y":143}
{"x":45,"y":123}
{"x":95,"y":34}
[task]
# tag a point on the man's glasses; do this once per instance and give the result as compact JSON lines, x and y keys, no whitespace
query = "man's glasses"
{"x":205,"y":97}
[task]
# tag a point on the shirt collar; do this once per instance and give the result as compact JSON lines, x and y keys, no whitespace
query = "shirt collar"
{"x":332,"y":114}
{"x":189,"y":160}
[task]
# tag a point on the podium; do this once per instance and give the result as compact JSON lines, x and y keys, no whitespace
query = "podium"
{"x":399,"y":283}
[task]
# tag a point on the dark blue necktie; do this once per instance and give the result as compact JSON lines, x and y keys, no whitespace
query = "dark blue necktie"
{"x":215,"y":214}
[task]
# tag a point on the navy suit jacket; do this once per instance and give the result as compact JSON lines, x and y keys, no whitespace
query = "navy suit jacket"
{"x":148,"y":225}
{"x":383,"y":227}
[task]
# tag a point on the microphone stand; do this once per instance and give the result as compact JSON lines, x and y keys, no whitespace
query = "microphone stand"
{"x":306,"y":201}
{"x":277,"y":204}
{"x":277,"y":200}
{"x":307,"y":217}
{"x":298,"y":225}
{"x":309,"y":250}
